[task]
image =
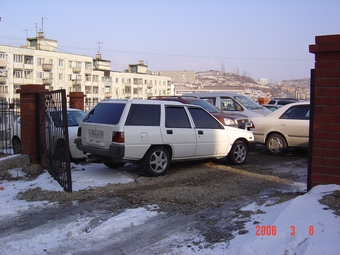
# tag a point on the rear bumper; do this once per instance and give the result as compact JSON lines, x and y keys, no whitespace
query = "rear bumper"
{"x":115,"y":151}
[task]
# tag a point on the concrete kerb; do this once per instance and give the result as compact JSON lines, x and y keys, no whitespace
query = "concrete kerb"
{"x":14,"y":161}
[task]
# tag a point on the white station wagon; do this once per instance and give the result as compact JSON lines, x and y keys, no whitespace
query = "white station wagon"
{"x":155,"y":132}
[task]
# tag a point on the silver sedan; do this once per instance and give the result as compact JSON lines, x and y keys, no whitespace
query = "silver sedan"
{"x":286,"y":127}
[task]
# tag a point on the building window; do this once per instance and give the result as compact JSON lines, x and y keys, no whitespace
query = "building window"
{"x":88,"y":65}
{"x":87,"y":77}
{"x":61,"y":63}
{"x":28,"y":74}
{"x":28,"y":60}
{"x":16,"y":87}
{"x":116,"y":79}
{"x":50,"y":61}
{"x":123,"y":80}
{"x":18,"y":74}
{"x":78,"y":64}
{"x":61,"y":77}
{"x":70,"y":64}
{"x":40,"y":75}
{"x":40,"y":61}
{"x":3,"y":56}
{"x":95,"y":78}
{"x":3,"y":89}
{"x":88,"y":89}
{"x":18,"y":58}
{"x":95,"y":90}
{"x":70,"y":77}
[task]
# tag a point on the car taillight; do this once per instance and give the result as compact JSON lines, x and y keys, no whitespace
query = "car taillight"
{"x":118,"y":137}
{"x":252,"y":125}
{"x":79,"y":132}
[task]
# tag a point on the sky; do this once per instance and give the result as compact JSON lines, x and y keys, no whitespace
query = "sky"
{"x":303,"y":225}
{"x":257,"y":38}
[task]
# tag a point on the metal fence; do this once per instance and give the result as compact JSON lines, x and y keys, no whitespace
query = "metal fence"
{"x":9,"y":113}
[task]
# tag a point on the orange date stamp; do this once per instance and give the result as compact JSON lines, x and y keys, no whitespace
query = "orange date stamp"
{"x":272,"y":230}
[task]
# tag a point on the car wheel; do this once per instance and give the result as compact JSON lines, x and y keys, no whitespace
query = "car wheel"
{"x":114,"y":165}
{"x":156,"y":161}
{"x":238,"y":153}
{"x":276,"y":144}
{"x":16,"y":143}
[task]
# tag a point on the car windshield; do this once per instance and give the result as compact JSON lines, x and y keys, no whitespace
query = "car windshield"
{"x":248,"y":103}
{"x":73,"y":117}
{"x":205,"y":105}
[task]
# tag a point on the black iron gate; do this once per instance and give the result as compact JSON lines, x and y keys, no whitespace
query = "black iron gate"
{"x":52,"y":138}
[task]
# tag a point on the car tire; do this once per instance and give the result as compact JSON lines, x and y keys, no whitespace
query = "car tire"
{"x":238,"y":153}
{"x":156,"y":161}
{"x":16,"y":143}
{"x":114,"y":165}
{"x":276,"y":144}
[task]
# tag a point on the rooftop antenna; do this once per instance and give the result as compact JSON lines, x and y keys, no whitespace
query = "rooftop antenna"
{"x":26,"y":32}
{"x":42,"y":23}
{"x":99,"y":47}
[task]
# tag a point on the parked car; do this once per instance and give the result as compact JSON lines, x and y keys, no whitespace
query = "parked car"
{"x":157,"y":132}
{"x":74,"y":117}
{"x":230,"y":102}
{"x":282,"y":101}
{"x":232,"y":119}
{"x":272,"y":107}
{"x":286,"y":127}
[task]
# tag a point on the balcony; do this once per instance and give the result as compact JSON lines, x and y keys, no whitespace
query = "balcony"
{"x":76,"y":82}
{"x":76,"y":69}
{"x":2,"y":63}
{"x":3,"y":79}
{"x":149,"y":86}
{"x":108,"y":84}
{"x":108,"y":94}
{"x":47,"y":81}
{"x":88,"y":70}
{"x":47,"y":67}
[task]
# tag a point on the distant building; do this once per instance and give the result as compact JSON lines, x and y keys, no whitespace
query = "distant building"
{"x":178,"y":77}
{"x":39,"y":63}
{"x":263,"y":81}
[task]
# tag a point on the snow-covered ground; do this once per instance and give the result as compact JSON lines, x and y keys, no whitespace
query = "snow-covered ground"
{"x":298,"y":226}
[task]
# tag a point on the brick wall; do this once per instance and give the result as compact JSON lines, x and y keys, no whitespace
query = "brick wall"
{"x":28,"y":119}
{"x":325,"y":155}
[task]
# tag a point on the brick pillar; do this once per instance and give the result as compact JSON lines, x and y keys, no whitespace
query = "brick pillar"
{"x":325,"y":162}
{"x":28,"y":119}
{"x":77,"y":100}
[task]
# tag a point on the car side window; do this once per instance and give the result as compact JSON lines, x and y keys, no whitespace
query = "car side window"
{"x":105,"y":114}
{"x":143,"y":115}
{"x":202,"y":119}
{"x":298,"y":112}
{"x":228,"y":104}
{"x":176,"y":117}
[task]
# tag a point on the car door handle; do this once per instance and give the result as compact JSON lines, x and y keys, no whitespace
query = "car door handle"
{"x":200,"y":132}
{"x":169,"y":132}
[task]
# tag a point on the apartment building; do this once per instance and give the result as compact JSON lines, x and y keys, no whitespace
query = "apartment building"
{"x":39,"y":63}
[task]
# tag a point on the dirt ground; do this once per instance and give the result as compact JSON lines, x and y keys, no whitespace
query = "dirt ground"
{"x":205,"y":196}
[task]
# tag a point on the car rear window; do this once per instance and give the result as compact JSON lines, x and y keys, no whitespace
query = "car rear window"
{"x":105,"y":114}
{"x":144,"y":115}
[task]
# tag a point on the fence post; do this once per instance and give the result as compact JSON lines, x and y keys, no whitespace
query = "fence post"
{"x":28,"y":119}
{"x":77,"y":100}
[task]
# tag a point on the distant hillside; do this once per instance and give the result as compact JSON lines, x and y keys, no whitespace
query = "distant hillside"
{"x":216,"y":77}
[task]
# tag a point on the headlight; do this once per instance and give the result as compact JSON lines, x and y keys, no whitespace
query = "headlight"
{"x":230,"y":122}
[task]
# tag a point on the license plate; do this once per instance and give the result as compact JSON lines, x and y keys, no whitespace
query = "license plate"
{"x":96,"y":133}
